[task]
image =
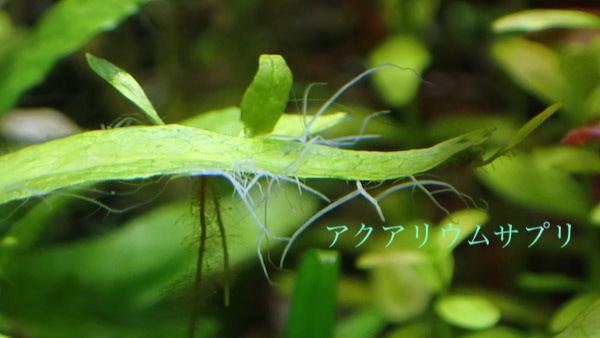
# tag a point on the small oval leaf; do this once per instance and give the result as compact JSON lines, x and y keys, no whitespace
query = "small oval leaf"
{"x":468,"y":311}
{"x":267,"y":96}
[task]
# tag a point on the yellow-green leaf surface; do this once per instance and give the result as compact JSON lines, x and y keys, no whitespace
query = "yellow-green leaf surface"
{"x":398,"y":88}
{"x":227,"y":121}
{"x":64,"y":29}
{"x":140,"y":152}
{"x":267,"y":96}
{"x":541,"y":19}
{"x":467,"y":311}
{"x":125,"y":84}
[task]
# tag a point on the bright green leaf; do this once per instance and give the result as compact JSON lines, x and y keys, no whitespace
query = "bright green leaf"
{"x":140,"y":152}
{"x":527,"y":129}
{"x":467,"y":311}
{"x":65,"y":28}
{"x":541,"y":19}
{"x":313,"y":308}
{"x":398,"y":88}
{"x":125,"y":84}
{"x":267,"y":96}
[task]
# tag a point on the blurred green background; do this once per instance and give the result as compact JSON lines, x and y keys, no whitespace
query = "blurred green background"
{"x":117,"y":259}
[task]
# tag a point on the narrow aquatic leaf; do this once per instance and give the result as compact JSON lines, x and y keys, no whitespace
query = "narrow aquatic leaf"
{"x":527,"y":129}
{"x":541,"y":19}
{"x":312,"y":312}
{"x":267,"y":96}
{"x":141,"y":152}
{"x":64,"y":29}
{"x":125,"y":84}
{"x":467,"y":311}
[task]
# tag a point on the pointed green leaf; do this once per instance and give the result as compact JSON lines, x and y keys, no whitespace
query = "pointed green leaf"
{"x":541,"y":19}
{"x":467,"y":311}
{"x":65,"y":28}
{"x":527,"y":129}
{"x":125,"y":84}
{"x":312,"y":312}
{"x":140,"y":152}
{"x":267,"y":96}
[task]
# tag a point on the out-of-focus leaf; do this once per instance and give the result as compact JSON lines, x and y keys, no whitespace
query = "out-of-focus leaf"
{"x":595,"y":215}
{"x":467,"y":311}
{"x":570,"y":159}
{"x":524,"y":179}
{"x":541,"y":19}
{"x":533,"y":66}
{"x":227,"y":121}
{"x":267,"y":96}
{"x":312,"y":312}
{"x":569,"y":311}
{"x":549,"y":282}
{"x":463,"y":223}
{"x":113,"y":281}
{"x":417,"y":330}
{"x":141,"y":152}
{"x":585,"y":325}
{"x":396,"y":87}
{"x":399,"y":291}
{"x":501,"y":331}
{"x":66,"y":27}
{"x":366,"y":323}
{"x":527,"y":129}
{"x":125,"y":84}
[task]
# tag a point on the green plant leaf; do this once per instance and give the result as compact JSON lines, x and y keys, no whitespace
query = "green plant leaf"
{"x":526,"y":179}
{"x":542,"y":19}
{"x":585,"y":325}
{"x":533,"y":66}
{"x":398,"y":88}
{"x":312,"y":312}
{"x":569,"y":311}
{"x":141,"y":152}
{"x":131,"y":271}
{"x":227,"y":121}
{"x":266,"y":98}
{"x":64,"y":29}
{"x":125,"y":84}
{"x":467,"y":311}
{"x":527,"y":129}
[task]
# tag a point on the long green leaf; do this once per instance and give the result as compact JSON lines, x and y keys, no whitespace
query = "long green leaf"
{"x":64,"y":29}
{"x":265,"y":99}
{"x":125,"y":84}
{"x":140,"y":152}
{"x":527,"y":129}
{"x":541,"y":19}
{"x":313,"y":304}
